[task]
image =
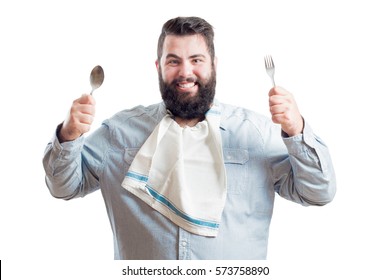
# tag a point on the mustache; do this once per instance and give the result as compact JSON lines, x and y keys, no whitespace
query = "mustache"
{"x":182,"y":79}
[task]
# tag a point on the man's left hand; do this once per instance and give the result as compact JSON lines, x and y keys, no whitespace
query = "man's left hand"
{"x":284,"y":111}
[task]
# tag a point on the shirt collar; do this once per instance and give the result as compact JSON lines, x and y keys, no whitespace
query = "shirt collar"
{"x":162,"y":111}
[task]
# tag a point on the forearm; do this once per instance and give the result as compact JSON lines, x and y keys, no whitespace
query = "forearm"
{"x":311,"y":180}
{"x":63,"y":168}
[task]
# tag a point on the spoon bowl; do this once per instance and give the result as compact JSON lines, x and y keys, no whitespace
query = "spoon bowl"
{"x":96,"y":78}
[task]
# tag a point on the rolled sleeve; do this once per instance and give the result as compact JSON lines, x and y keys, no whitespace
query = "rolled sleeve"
{"x":61,"y":162}
{"x":312,"y":169}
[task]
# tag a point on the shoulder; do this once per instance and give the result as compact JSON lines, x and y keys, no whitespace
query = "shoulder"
{"x":245,"y":128}
{"x":152,"y":112}
{"x":131,"y":127}
{"x":232,"y":115}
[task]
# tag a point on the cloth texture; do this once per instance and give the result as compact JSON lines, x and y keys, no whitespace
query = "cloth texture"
{"x":179,"y":171}
{"x":259,"y":163}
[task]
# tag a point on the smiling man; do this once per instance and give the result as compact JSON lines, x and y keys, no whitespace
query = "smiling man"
{"x":186,"y":70}
{"x":190,"y":177}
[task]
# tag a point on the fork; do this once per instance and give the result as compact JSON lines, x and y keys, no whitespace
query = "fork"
{"x":270,"y":67}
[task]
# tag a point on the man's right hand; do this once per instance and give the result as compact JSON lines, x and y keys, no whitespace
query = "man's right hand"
{"x":79,"y":119}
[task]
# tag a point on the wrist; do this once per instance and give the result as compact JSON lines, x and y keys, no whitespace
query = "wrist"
{"x":58,"y":133}
{"x":63,"y":136}
{"x":293,"y":131}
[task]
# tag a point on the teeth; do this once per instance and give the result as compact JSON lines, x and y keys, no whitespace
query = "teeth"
{"x":189,"y":85}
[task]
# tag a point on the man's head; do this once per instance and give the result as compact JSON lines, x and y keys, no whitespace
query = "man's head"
{"x":182,"y":26}
{"x":186,"y":66}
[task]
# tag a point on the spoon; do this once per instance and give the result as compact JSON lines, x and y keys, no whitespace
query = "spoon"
{"x":96,"y":78}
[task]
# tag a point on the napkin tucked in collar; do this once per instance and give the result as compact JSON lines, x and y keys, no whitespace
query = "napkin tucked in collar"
{"x":179,"y":171}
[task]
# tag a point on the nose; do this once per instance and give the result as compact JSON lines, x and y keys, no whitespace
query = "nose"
{"x":186,"y":69}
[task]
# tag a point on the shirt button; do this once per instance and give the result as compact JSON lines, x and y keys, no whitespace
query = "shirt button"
{"x":184,"y":243}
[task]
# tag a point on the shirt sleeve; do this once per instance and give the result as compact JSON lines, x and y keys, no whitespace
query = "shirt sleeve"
{"x":306,"y":175}
{"x":72,"y":168}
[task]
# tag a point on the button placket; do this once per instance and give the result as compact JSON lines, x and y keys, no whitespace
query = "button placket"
{"x":184,"y":244}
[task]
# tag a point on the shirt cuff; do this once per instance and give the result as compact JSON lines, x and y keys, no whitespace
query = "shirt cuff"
{"x":66,"y":149}
{"x":300,"y":143}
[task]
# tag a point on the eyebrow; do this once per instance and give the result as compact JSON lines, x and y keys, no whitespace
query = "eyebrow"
{"x":172,"y":55}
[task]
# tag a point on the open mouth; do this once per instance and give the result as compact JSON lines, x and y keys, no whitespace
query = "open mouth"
{"x":186,"y":85}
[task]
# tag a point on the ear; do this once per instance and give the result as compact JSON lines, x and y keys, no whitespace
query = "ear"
{"x":215,"y":62}
{"x":157,"y":64}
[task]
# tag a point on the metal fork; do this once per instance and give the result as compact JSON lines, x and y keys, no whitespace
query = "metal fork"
{"x":270,"y":67}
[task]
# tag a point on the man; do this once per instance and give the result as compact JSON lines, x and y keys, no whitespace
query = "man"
{"x":190,"y":178}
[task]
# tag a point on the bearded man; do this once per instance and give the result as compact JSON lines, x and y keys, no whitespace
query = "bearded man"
{"x":190,"y":177}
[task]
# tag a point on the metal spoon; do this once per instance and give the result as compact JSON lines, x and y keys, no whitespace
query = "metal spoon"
{"x":96,"y":78}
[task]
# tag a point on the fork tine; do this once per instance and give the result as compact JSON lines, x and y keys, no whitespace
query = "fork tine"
{"x":270,"y":67}
{"x":269,"y":63}
{"x":266,"y":61}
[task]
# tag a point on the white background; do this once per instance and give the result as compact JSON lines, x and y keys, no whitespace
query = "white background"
{"x":333,"y":55}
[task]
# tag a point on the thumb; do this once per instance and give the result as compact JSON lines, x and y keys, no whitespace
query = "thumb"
{"x":87,"y":99}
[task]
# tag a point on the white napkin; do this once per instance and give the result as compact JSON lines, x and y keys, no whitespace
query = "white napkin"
{"x":180,"y":172}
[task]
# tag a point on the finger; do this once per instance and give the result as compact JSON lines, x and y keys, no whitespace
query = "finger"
{"x":281,"y":118}
{"x":278,"y":109}
{"x":278,"y":91}
{"x":85,"y":109}
{"x":271,"y":92}
{"x":276,"y":99}
{"x":72,"y":129}
{"x":85,"y":119}
{"x":83,"y":128}
{"x":86,"y":99}
{"x":277,"y":118}
{"x":78,"y":110}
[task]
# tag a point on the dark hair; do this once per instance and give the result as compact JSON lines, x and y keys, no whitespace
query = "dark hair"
{"x":181,"y":26}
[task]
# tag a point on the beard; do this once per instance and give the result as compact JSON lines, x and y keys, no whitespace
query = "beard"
{"x":184,"y":106}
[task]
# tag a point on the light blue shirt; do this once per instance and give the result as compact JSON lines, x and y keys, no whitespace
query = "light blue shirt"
{"x":259,"y":162}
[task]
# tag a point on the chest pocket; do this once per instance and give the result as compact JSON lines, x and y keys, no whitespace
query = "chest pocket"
{"x":236,"y":169}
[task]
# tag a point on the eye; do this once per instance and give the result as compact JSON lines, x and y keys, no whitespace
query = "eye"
{"x":173,"y":62}
{"x":197,"y":61}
